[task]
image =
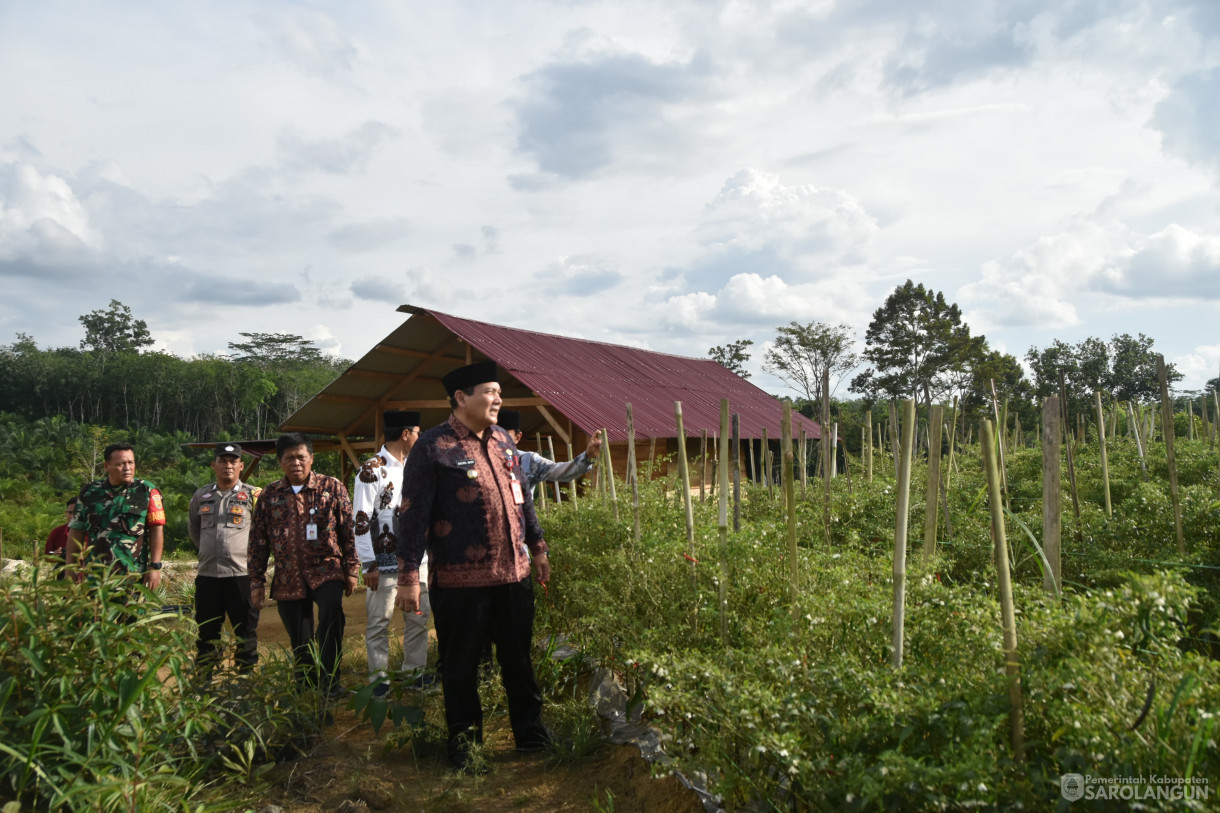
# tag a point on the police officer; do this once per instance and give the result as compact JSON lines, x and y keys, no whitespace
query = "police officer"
{"x":219,"y":527}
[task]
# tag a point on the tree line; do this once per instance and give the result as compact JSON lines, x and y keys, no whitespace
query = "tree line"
{"x":113,"y":378}
{"x":917,"y":346}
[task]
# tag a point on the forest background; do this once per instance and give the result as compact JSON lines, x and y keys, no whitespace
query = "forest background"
{"x":60,"y":407}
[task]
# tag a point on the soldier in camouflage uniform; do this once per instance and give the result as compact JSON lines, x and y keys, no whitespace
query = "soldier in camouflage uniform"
{"x":119,"y":522}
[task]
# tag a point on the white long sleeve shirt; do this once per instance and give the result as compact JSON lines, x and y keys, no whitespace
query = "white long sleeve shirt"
{"x":376,"y":497}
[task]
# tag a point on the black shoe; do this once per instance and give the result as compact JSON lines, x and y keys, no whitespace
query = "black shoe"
{"x":547,"y":743}
{"x":336,"y":693}
{"x":423,"y":683}
{"x":381,"y":690}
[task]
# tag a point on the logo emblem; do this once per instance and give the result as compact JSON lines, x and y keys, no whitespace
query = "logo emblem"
{"x":1071,"y":786}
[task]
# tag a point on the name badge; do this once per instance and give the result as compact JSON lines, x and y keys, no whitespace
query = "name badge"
{"x":311,"y":532}
{"x":518,"y":497}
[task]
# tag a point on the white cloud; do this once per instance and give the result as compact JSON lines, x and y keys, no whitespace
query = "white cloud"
{"x":1044,"y":284}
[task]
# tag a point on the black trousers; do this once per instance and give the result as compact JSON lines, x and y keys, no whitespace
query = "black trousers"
{"x":297,"y":615}
{"x":216,"y":599}
{"x":467,"y":617}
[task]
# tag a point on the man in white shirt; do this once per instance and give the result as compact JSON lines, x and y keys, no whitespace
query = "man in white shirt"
{"x":376,"y":497}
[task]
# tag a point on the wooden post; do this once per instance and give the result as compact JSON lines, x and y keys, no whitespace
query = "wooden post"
{"x":631,"y":472}
{"x":1012,"y":664}
{"x":652,"y":454}
{"x":828,"y":451}
{"x":935,"y":415}
{"x":684,"y":477}
{"x":1052,"y":515}
{"x":750,"y":463}
{"x":609,"y":464}
{"x":790,"y":507}
{"x":900,"y":529}
{"x":1101,"y":448}
{"x":723,"y":488}
{"x":1167,"y":428}
{"x":1190,"y":419}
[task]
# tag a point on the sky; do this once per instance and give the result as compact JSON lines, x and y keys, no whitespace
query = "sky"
{"x":670,"y":175}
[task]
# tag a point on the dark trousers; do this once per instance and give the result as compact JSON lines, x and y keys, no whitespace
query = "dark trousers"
{"x":465,"y":618}
{"x":297,"y":615}
{"x":216,"y":599}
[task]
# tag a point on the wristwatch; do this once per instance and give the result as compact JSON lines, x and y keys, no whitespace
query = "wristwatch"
{"x":154,"y":565}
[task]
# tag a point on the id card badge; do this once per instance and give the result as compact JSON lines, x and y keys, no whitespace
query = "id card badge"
{"x":311,"y":532}
{"x":518,"y":497}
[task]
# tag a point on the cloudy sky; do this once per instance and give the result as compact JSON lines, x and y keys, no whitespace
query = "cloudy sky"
{"x":669,"y":175}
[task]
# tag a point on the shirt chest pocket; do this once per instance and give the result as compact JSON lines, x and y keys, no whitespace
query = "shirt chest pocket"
{"x":237,"y":515}
{"x":207,"y":513}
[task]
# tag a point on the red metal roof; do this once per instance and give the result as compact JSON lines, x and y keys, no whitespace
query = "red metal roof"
{"x":591,"y":383}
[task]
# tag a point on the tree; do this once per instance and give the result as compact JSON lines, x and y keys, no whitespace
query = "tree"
{"x":276,"y":350}
{"x":1132,"y":375}
{"x":1124,"y":367}
{"x":732,"y":356}
{"x":917,"y":343}
{"x":114,"y":330}
{"x":801,"y":354}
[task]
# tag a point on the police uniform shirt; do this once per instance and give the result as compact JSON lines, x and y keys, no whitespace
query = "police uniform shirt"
{"x":220,"y":528}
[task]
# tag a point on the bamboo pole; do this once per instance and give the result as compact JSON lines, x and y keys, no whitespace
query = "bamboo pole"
{"x":790,"y":508}
{"x":827,"y":454}
{"x":684,"y":477}
{"x":1216,"y":424}
{"x":935,"y":414}
{"x":1070,"y":448}
{"x":609,"y":464}
{"x":723,"y":489}
{"x":867,"y":431}
{"x":803,"y":463}
{"x":1052,"y":491}
{"x":1139,"y":443}
{"x":834,"y":450}
{"x":1012,"y":664}
{"x":893,"y":431}
{"x":633,"y":474}
{"x":1003,"y":468}
{"x":1190,"y":419}
{"x":702,"y":465}
{"x":765,"y":459}
{"x":551,"y":449}
{"x":1167,"y":429}
{"x":542,"y":486}
{"x":900,"y":530}
{"x":750,"y":463}
{"x":736,"y":453}
{"x":1101,"y":448}
{"x":652,"y":454}
{"x":949,"y":470}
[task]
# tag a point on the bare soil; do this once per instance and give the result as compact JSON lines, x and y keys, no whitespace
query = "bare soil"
{"x":351,"y":769}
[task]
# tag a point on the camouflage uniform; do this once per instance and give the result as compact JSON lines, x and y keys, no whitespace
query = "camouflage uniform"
{"x":114,"y":519}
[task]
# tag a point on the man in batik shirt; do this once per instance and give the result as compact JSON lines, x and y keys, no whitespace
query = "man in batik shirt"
{"x":375,"y":499}
{"x":304,"y":520}
{"x":119,"y":522}
{"x":464,"y":504}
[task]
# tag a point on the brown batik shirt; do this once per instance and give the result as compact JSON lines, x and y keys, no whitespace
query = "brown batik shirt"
{"x":458,"y":503}
{"x":279,"y":530}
